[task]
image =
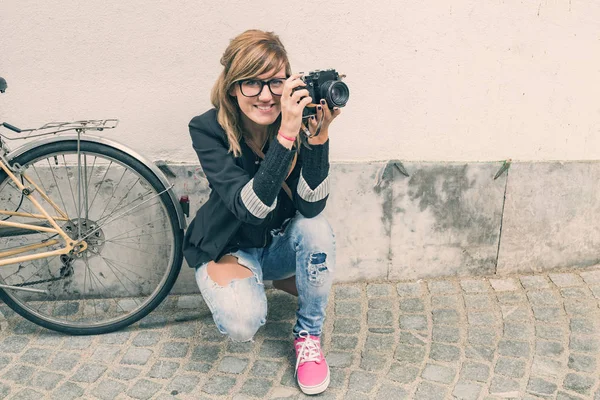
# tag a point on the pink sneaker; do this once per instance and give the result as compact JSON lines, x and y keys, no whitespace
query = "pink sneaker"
{"x":312,"y":370}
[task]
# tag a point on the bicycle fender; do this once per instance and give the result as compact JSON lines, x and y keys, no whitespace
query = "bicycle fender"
{"x":112,"y":143}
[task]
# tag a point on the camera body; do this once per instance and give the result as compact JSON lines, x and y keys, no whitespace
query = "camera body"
{"x":326,"y":85}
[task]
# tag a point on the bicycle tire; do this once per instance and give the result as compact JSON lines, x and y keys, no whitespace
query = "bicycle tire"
{"x":98,"y":312}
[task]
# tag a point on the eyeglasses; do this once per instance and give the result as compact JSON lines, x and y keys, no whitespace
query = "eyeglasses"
{"x":254,"y":87}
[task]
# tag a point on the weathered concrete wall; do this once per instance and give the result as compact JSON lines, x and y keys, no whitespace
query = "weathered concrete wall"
{"x":445,"y":220}
{"x":551,"y":217}
{"x":451,"y":219}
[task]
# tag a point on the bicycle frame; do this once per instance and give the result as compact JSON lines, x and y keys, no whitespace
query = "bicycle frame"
{"x":69,"y":244}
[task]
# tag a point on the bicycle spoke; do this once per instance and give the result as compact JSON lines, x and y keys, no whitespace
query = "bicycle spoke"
{"x":105,"y":223}
{"x":117,"y":218}
{"x":126,"y":269}
{"x":85,"y":203}
{"x":54,"y":303}
{"x":70,"y":186}
{"x":39,"y":309}
{"x":110,"y":218}
{"x":93,"y":298}
{"x":113,"y":193}
{"x":121,"y":242}
{"x":101,"y":183}
{"x":40,"y":180}
{"x":85,"y":271}
{"x":126,"y":205}
{"x":58,"y":188}
{"x":122,"y":198}
{"x":88,"y":268}
{"x":140,"y":235}
{"x":106,"y":290}
{"x":36,"y":271}
{"x":143,"y":251}
{"x":89,"y":178}
{"x":124,"y":276}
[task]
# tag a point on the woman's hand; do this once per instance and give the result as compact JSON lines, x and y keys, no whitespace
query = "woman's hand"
{"x":292,"y":105}
{"x":328,"y":116}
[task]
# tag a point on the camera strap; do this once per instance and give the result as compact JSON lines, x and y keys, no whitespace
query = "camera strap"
{"x":319,"y":125}
{"x":261,"y":155}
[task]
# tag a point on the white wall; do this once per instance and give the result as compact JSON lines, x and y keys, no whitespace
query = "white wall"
{"x":466,"y":80}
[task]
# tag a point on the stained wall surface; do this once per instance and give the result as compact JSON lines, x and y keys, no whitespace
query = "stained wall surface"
{"x":408,"y":221}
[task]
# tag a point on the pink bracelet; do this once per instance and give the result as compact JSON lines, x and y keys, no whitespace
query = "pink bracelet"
{"x":286,"y":137}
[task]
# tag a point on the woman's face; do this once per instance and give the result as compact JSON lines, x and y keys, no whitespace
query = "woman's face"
{"x":264,"y":108}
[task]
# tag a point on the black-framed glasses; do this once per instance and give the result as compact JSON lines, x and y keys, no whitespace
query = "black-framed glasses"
{"x":254,"y":87}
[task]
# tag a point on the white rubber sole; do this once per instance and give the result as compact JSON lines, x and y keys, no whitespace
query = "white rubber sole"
{"x":320,"y":388}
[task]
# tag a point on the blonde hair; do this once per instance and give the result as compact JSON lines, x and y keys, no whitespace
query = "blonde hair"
{"x":248,"y":55}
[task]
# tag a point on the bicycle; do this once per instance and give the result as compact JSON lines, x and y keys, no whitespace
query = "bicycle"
{"x":90,"y":231}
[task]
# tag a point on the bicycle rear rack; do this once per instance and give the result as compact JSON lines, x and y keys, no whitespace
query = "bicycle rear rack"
{"x":53,"y":128}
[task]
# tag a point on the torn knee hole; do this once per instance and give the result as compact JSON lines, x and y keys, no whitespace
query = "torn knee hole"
{"x":317,"y":267}
{"x":223,"y":275}
{"x":318,"y":258}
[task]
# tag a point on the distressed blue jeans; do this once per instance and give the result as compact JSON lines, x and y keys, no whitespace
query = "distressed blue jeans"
{"x":304,"y":247}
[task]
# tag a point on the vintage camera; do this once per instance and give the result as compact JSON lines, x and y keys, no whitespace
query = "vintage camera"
{"x":326,"y":85}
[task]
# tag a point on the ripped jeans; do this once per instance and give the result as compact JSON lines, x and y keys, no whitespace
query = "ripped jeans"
{"x":305,"y":248}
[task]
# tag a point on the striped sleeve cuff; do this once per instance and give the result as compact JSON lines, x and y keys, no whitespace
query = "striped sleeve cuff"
{"x":253,"y":203}
{"x":309,"y":195}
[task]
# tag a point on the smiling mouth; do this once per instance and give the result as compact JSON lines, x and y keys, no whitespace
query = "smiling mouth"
{"x":265,"y":108}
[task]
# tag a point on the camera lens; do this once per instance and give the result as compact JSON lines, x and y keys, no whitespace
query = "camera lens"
{"x":335,"y":92}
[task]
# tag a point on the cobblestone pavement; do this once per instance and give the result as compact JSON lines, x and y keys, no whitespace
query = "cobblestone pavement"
{"x":525,"y":337}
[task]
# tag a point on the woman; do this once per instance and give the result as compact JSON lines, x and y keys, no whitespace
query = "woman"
{"x":263,"y":216}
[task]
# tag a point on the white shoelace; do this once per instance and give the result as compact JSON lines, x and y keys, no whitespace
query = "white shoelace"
{"x":310,"y":350}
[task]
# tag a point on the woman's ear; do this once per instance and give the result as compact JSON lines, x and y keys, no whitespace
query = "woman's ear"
{"x":232,"y":91}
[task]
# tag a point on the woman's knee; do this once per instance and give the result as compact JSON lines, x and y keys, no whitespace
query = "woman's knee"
{"x":239,"y":308}
{"x":243,"y":329}
{"x":314,"y":232}
{"x":240,"y":318}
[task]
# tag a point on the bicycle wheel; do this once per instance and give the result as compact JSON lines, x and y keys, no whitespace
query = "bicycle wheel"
{"x":133,"y":235}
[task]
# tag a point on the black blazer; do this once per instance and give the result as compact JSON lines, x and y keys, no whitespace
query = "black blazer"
{"x":224,"y":223}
